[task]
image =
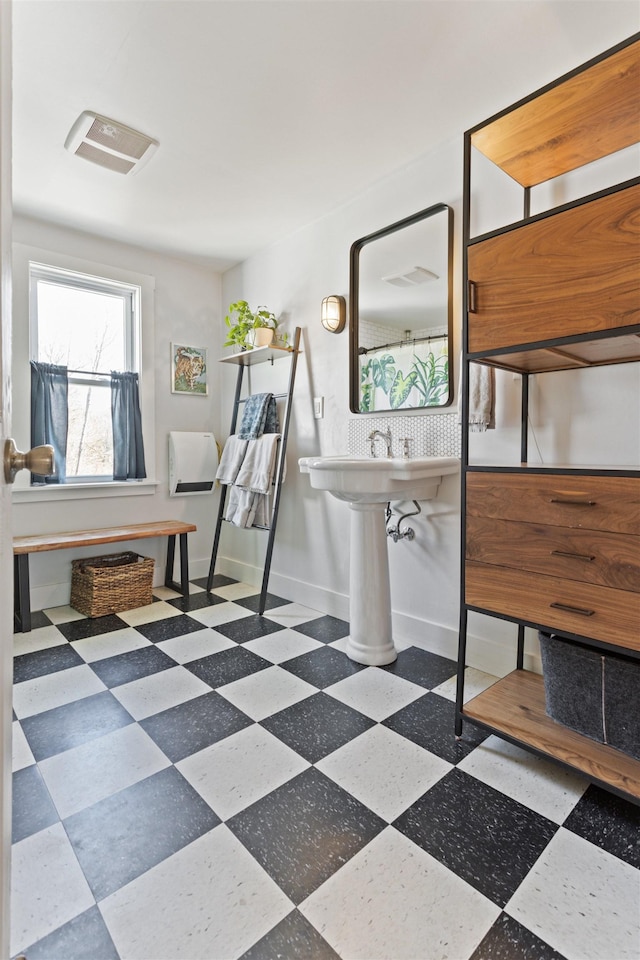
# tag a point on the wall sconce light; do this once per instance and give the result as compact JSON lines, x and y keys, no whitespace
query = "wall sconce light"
{"x":334,"y":314}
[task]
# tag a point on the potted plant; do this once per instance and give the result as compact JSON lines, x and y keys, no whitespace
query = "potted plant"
{"x":247,"y":328}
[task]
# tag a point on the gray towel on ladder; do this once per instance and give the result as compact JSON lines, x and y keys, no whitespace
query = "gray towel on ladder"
{"x":260,"y":415}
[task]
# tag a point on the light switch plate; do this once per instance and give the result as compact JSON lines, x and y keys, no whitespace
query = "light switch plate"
{"x":318,"y":408}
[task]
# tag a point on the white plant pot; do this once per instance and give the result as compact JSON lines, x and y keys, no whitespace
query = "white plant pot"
{"x":260,"y":337}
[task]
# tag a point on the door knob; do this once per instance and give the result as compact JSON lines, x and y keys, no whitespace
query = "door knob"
{"x":38,"y":460}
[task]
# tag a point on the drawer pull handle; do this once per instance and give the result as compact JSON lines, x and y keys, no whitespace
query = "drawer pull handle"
{"x":573,"y":503}
{"x":572,"y":556}
{"x":580,"y":610}
{"x":472,"y":297}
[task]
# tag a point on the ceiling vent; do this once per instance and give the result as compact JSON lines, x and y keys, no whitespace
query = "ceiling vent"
{"x":411,"y":278}
{"x":109,"y":143}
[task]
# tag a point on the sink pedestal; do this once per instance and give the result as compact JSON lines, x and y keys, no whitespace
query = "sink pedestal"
{"x":370,"y":640}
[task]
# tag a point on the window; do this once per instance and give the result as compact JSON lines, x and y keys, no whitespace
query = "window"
{"x":92,"y":326}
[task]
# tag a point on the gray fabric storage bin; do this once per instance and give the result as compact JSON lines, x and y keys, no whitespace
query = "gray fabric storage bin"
{"x":594,"y":693}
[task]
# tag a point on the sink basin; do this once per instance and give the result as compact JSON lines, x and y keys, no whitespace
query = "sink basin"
{"x":366,"y":484}
{"x":377,"y":480}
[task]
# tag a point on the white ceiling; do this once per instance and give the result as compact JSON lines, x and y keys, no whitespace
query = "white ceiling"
{"x":270,"y":113}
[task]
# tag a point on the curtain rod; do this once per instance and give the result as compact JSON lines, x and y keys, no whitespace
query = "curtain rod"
{"x":400,"y":343}
{"x":96,"y":373}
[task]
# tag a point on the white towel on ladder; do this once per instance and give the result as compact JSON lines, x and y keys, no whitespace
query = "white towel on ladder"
{"x":231,"y":459}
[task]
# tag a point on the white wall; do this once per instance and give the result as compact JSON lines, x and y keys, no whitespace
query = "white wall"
{"x":595,"y":416}
{"x":187,"y":305}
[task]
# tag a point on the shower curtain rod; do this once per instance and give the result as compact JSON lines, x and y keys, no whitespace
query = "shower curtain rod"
{"x":400,"y":343}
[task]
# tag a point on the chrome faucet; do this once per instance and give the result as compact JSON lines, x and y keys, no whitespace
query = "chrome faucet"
{"x":384,"y":435}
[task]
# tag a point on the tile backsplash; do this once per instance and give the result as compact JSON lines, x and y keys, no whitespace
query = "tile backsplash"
{"x":437,"y":434}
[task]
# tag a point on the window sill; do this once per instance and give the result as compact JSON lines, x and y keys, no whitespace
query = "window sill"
{"x":85,"y":491}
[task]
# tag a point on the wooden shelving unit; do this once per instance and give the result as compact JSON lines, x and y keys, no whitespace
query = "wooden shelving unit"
{"x":552,"y":547}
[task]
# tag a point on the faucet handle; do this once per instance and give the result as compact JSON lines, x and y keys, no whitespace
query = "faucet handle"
{"x":405,"y":441}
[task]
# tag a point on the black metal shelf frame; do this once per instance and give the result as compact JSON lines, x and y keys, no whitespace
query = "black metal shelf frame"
{"x":259,"y":356}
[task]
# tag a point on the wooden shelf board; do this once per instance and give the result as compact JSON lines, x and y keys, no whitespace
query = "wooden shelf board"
{"x":515,"y":706}
{"x":572,"y":356}
{"x":247,"y":358}
{"x":588,"y":116}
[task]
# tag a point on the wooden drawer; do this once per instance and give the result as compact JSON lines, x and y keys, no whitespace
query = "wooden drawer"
{"x":600,"y":613}
{"x":590,"y":556}
{"x":567,"y":275}
{"x":590,"y":503}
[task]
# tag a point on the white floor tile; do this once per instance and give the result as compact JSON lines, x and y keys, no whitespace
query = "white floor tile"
{"x":384,"y":770}
{"x":43,"y":638}
{"x":581,"y":900}
{"x":63,"y":614}
{"x":375,"y":692}
{"x":210,"y":899}
{"x":150,"y":614}
{"x":475,"y":681}
{"x":192,"y":646}
{"x":537,"y":783}
{"x":393,"y":901}
{"x":162,"y":690}
{"x":110,"y":644}
{"x":166,"y":593}
{"x":22,"y":756}
{"x":236,"y":591}
{"x":266,"y":692}
{"x":54,"y":690}
{"x":48,"y":887}
{"x":80,"y":777}
{"x":237,"y":771}
{"x":281,"y":646}
{"x":220,"y":613}
{"x":293,"y":614}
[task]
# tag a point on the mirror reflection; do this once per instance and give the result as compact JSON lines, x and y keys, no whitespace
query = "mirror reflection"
{"x":401,"y":314}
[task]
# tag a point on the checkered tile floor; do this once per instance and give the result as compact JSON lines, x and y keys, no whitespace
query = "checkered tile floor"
{"x":195,"y":781}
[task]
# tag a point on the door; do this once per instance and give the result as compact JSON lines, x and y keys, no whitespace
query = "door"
{"x":6,"y":545}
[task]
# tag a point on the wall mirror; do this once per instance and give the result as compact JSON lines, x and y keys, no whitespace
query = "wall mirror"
{"x":401,"y":314}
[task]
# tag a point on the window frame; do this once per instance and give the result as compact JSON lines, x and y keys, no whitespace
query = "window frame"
{"x":143,"y":351}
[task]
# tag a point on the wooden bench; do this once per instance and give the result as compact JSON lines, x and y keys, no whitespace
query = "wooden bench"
{"x":40,"y":543}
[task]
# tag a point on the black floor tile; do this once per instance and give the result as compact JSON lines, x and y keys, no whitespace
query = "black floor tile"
{"x":322,"y":666}
{"x":32,"y":807}
{"x":253,"y":602}
{"x":429,"y":722}
{"x":81,"y":629}
{"x":479,"y":833}
{"x":303,"y":831}
{"x":195,"y":601}
{"x":292,"y":937}
{"x":325,"y":629}
{"x":610,"y":822}
{"x":121,"y":837}
{"x":509,"y":940}
{"x":133,"y":665}
{"x":39,"y":619}
{"x":248,"y":628}
{"x":317,"y":726}
{"x":421,"y":667}
{"x":83,"y":937}
{"x":189,"y":727}
{"x":73,"y":724}
{"x":219,"y":580}
{"x":227,"y":666}
{"x":28,"y":666}
{"x":169,"y":628}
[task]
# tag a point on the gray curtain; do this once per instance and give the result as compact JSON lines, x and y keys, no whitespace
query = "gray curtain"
{"x":128,"y":449}
{"x":49,"y":415}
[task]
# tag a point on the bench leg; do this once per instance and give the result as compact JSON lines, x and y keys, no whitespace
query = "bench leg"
{"x":22,"y":599}
{"x":183,"y":586}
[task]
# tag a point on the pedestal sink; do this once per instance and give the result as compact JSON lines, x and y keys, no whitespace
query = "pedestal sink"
{"x":367,"y":484}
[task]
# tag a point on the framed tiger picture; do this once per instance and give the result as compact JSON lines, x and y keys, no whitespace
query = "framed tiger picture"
{"x":189,"y":370}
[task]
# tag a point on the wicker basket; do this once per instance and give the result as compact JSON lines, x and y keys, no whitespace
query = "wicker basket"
{"x":103,"y":585}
